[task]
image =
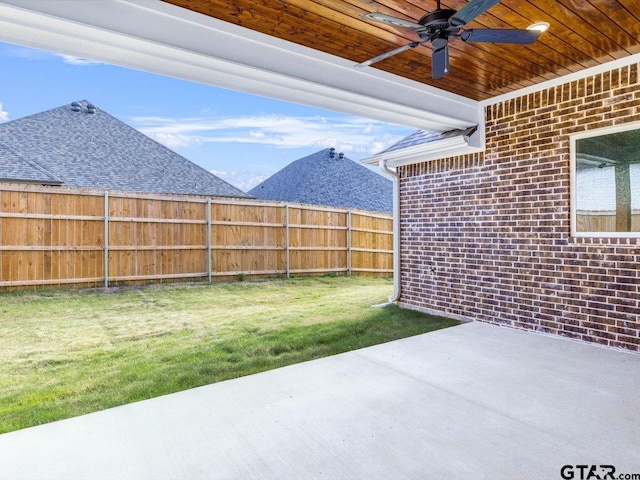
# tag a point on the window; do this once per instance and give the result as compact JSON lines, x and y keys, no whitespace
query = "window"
{"x":605,"y":182}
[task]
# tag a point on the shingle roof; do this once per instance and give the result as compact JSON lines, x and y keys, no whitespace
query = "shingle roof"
{"x":324,"y":178}
{"x":96,"y":150}
{"x":420,"y":137}
{"x":13,"y":167}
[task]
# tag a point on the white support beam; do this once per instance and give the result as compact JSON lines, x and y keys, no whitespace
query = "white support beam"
{"x":157,"y":37}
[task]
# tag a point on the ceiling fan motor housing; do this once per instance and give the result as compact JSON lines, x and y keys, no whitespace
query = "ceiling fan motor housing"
{"x":437,"y":20}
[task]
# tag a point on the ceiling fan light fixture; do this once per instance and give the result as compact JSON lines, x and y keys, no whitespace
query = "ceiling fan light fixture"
{"x":539,"y":26}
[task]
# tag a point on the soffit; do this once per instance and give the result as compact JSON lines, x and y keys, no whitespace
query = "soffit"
{"x":582,"y":34}
{"x":304,"y":51}
{"x":158,"y":37}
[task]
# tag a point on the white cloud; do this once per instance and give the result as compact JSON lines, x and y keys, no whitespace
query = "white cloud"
{"x":24,"y":53}
{"x":243,"y":179}
{"x":34,"y":54}
{"x":346,"y":134}
{"x":78,"y":61}
{"x":4,"y":115}
{"x":176,"y":140}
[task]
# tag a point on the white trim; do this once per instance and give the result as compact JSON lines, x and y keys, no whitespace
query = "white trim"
{"x":587,"y":72}
{"x":397,"y":270}
{"x":573,"y":180}
{"x":161,"y":38}
{"x":447,"y":147}
{"x":623,"y":127}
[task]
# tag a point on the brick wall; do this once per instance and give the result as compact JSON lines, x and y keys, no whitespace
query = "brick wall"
{"x":487,"y":236}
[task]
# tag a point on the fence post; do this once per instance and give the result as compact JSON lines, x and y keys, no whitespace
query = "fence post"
{"x":349,"y":251}
{"x":106,"y":240}
{"x":286,"y":223}
{"x":209,"y":263}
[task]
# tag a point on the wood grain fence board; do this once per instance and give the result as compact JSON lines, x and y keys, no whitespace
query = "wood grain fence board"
{"x":54,"y":235}
{"x":372,"y":244}
{"x":594,"y":222}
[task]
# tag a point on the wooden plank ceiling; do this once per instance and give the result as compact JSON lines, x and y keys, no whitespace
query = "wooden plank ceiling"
{"x":582,"y":33}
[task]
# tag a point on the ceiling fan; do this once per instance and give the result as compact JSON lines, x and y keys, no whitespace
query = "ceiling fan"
{"x":440,"y":25}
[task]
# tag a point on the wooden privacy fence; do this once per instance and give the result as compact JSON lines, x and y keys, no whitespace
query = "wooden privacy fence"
{"x":606,"y":222}
{"x":57,"y":236}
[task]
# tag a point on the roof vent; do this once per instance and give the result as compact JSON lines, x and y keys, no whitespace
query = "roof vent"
{"x":340,"y":155}
{"x":332,"y":152}
{"x":84,"y":107}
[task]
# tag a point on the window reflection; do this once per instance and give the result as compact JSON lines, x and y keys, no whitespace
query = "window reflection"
{"x":607,"y":196}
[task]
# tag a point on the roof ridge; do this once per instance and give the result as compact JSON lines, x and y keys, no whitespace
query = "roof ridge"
{"x":59,"y":107}
{"x":33,"y":164}
{"x":123,"y":159}
{"x":322,"y":179}
{"x":164,"y":147}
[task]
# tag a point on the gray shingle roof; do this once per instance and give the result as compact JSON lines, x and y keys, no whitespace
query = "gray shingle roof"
{"x":13,"y":167}
{"x":96,"y":150}
{"x":420,"y":137}
{"x":323,"y":179}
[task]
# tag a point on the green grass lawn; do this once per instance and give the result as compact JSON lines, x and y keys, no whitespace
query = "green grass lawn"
{"x":66,"y":352}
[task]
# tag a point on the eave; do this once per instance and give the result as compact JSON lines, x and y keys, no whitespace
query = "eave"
{"x":158,"y":37}
{"x":29,"y":181}
{"x":447,"y":147}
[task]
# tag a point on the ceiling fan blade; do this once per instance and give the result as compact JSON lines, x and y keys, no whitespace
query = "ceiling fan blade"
{"x":523,"y":37}
{"x":470,"y":11}
{"x":389,"y":54}
{"x":440,"y":59}
{"x":396,"y":22}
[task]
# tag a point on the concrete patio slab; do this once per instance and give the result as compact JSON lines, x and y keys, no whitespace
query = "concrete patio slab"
{"x":471,"y":402}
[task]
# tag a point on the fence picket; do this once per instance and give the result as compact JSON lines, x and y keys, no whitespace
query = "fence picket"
{"x":56,"y":231}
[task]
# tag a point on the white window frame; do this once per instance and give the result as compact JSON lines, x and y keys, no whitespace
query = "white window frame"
{"x":573,"y":180}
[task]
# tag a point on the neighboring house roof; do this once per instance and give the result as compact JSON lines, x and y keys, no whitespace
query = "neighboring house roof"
{"x":14,"y":167}
{"x":330,"y":179}
{"x":83,"y":146}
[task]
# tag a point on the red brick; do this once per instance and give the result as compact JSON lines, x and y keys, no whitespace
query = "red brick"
{"x":495,"y":225}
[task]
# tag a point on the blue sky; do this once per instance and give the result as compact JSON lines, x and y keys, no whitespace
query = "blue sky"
{"x":239,"y":137}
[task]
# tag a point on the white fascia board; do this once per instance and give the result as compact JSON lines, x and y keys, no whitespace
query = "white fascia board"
{"x":161,"y":38}
{"x":447,"y":147}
